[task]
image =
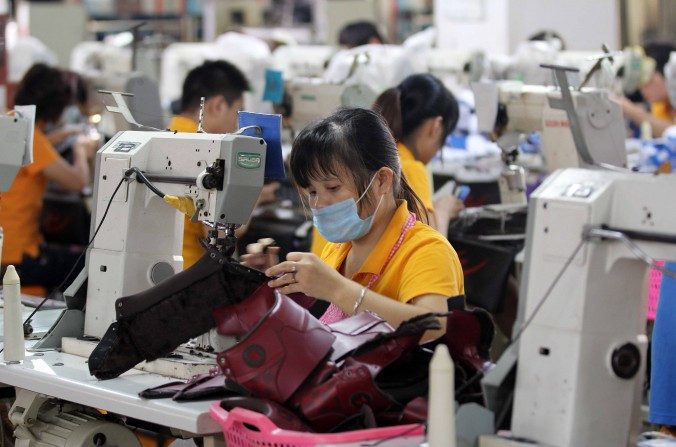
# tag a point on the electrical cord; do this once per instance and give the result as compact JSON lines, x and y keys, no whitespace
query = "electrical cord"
{"x":531,"y":317}
{"x":65,"y":280}
{"x":591,"y":233}
{"x":546,"y":295}
{"x":140,"y":177}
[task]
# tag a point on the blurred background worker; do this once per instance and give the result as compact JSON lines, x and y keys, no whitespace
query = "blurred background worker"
{"x":421,"y":112}
{"x":223,"y":86}
{"x":40,"y":266}
{"x":661,"y":113}
{"x":359,"y":33}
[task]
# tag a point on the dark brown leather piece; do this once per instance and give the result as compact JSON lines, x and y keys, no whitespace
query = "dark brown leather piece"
{"x":210,"y":262}
{"x":153,"y":323}
{"x":342,"y":396}
{"x":240,"y":318}
{"x":279,"y":354}
{"x":329,"y":404}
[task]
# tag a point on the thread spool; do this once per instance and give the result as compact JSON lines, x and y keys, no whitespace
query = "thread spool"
{"x":441,"y":414}
{"x":14,"y":348}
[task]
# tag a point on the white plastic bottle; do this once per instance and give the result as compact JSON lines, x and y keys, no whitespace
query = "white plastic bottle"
{"x":13,"y":341}
{"x":441,"y":412}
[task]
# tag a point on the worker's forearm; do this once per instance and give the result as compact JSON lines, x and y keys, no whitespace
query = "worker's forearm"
{"x":638,"y":115}
{"x":81,"y":166}
{"x":392,"y":311}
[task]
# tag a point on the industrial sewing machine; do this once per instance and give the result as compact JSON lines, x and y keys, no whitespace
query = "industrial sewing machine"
{"x":141,"y":243}
{"x":138,"y":244}
{"x":454,"y":67}
{"x":575,"y":372}
{"x":248,"y":53}
{"x":582,"y":357}
{"x":354,"y":78}
{"x":508,"y":110}
{"x":300,"y":61}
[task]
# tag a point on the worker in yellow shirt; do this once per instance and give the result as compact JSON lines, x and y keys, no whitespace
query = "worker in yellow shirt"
{"x":381,"y":257}
{"x":223,"y":86}
{"x":420,"y":113}
{"x":655,"y":93}
{"x":41,"y":267}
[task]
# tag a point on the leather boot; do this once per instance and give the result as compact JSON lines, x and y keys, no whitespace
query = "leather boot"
{"x":153,"y":323}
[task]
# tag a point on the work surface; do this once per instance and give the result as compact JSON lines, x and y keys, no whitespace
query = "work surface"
{"x":67,"y":377}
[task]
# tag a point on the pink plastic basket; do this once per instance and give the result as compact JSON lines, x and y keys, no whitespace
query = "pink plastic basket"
{"x":245,"y":428}
{"x":654,"y":285}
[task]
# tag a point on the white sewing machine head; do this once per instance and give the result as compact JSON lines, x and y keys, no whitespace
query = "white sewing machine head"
{"x":535,"y":108}
{"x":16,"y":147}
{"x":139,"y":243}
{"x":583,"y":356}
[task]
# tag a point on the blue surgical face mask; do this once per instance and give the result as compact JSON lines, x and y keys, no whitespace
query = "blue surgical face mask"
{"x":340,"y":222}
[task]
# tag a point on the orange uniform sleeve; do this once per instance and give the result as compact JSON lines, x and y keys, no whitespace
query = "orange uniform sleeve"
{"x":44,"y":154}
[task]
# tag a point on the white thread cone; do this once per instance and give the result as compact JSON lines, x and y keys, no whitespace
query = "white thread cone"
{"x":14,"y":348}
{"x":441,"y":414}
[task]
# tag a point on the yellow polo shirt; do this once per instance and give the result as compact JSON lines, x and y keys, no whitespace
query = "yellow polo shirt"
{"x":663,"y":110}
{"x":416,"y":175}
{"x":192,"y":231}
{"x":424,"y":264}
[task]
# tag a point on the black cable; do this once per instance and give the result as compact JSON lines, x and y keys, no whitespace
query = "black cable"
{"x":546,"y":295}
{"x":65,"y":280}
{"x":530,"y":318}
{"x":140,"y":176}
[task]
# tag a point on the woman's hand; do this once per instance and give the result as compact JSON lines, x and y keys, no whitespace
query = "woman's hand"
{"x":306,"y":273}
{"x":261,"y":255}
{"x":448,"y":207}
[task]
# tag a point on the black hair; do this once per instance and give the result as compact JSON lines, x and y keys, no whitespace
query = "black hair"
{"x":356,"y":140}
{"x":418,"y":97}
{"x":358,"y":33}
{"x":46,"y":87}
{"x":660,"y":52}
{"x":213,"y":78}
{"x":547,"y":35}
{"x":79,"y":87}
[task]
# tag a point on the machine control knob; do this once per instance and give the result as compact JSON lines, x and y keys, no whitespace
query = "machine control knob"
{"x":625,"y":361}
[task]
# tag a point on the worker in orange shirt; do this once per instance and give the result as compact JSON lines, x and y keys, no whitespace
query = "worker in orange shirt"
{"x":40,"y":267}
{"x":223,"y":86}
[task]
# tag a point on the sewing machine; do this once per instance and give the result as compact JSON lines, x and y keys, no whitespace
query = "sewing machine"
{"x":310,"y":99}
{"x":354,"y":78}
{"x":532,"y":108}
{"x":581,"y":360}
{"x":509,"y":110}
{"x":249,"y":54}
{"x":299,"y":61}
{"x":138,"y":245}
{"x":455,"y":67}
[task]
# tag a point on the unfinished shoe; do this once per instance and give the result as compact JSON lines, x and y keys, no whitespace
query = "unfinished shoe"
{"x":153,"y":323}
{"x":280,"y":351}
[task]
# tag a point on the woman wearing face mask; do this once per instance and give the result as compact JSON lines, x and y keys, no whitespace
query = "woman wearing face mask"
{"x":420,"y":113}
{"x":381,"y":256}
